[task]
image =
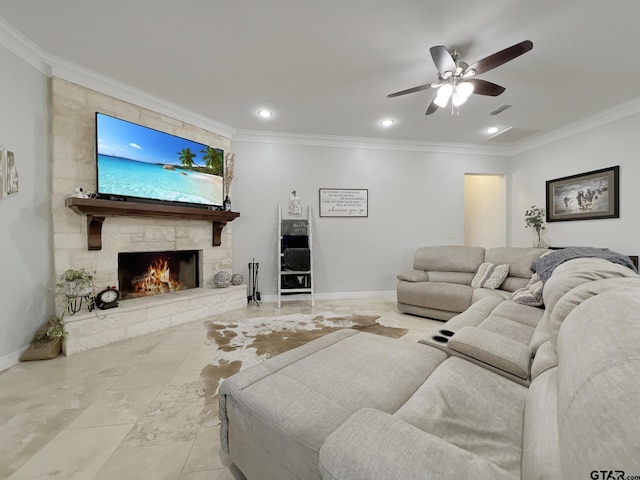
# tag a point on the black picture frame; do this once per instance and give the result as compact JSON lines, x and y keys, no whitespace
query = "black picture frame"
{"x":586,"y":196}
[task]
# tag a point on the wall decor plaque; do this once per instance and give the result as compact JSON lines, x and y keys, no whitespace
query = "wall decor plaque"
{"x":344,"y":202}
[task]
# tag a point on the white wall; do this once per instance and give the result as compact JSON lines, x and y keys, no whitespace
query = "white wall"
{"x":25,"y":238}
{"x":616,"y":143}
{"x":415,"y":199}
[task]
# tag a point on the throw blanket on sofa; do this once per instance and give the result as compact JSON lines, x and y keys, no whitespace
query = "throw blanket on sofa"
{"x":545,"y":265}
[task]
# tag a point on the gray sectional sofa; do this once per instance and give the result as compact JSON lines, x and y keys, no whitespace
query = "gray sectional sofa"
{"x":439,"y":285}
{"x":357,"y":406}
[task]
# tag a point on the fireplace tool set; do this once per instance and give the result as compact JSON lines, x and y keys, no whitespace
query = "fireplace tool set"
{"x":253,"y":283}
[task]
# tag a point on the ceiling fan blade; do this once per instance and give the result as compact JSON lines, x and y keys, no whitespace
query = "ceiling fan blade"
{"x":503,"y":56}
{"x":432,"y":107}
{"x":482,"y":87}
{"x":410,"y":90}
{"x":443,"y":59}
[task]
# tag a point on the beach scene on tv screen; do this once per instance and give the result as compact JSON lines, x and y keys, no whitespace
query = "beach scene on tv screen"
{"x":137,"y":161}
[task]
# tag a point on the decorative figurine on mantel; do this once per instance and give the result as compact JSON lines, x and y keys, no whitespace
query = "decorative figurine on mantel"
{"x":295,"y":205}
{"x":227,"y":178}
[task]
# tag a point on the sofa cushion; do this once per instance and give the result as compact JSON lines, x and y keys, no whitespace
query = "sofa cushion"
{"x":514,"y":321}
{"x":493,"y":349}
{"x":354,"y":452}
{"x":463,"y":278}
{"x":599,"y":385}
{"x":511,"y":284}
{"x":292,"y":402}
{"x":510,"y":310}
{"x":519,"y":259}
{"x":475,"y":314}
{"x":457,"y":403}
{"x":576,"y":272}
{"x":583,"y":292}
{"x":545,"y":358}
{"x":414,"y":276}
{"x":450,"y":297}
{"x":540,"y":452}
{"x":449,"y":258}
{"x":480,"y":293}
{"x":427,"y":312}
{"x":541,"y":333}
{"x":490,"y":276}
{"x":508,"y":328}
{"x":531,"y":294}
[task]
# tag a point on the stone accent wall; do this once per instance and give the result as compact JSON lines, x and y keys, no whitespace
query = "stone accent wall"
{"x":74,"y":164}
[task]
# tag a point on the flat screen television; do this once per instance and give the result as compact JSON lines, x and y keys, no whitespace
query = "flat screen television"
{"x":137,"y":163}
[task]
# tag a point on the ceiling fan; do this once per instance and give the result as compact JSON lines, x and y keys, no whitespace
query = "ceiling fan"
{"x":456,"y":78}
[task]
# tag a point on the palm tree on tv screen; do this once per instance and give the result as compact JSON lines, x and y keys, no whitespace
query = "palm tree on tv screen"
{"x":186,"y":157}
{"x":213,"y":160}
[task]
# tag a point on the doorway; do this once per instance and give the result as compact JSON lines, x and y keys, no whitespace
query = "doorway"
{"x":485,"y":210}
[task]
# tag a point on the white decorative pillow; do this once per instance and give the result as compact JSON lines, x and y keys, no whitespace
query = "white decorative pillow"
{"x":531,"y":294}
{"x":490,"y":276}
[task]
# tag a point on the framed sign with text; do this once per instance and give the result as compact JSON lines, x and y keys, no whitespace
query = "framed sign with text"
{"x":344,"y":202}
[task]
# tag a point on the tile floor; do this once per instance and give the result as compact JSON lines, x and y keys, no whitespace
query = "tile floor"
{"x":129,"y":410}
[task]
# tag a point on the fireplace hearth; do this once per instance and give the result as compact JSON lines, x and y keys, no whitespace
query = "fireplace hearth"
{"x":143,"y":274}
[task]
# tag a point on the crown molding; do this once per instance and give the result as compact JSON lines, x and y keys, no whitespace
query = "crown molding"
{"x":257,"y":136}
{"x":71,"y":72}
{"x":23,"y":48}
{"x":594,"y":121}
{"x":53,"y":66}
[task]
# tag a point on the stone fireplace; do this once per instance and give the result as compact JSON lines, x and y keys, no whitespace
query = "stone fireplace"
{"x":73,"y":165}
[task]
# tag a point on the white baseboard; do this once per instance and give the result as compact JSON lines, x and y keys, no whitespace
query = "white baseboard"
{"x":347,"y":295}
{"x":330,"y":296}
{"x":12,"y":359}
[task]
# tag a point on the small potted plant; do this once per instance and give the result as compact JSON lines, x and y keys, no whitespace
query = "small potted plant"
{"x":76,"y":283}
{"x":76,"y":286}
{"x":46,"y":343}
{"x":534,"y":218}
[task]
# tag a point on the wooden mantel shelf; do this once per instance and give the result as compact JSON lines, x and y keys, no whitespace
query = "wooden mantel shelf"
{"x":97,"y":210}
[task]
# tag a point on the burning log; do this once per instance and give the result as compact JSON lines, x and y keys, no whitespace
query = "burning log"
{"x":157,"y":280}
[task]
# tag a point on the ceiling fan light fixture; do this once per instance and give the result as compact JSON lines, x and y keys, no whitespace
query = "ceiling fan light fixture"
{"x":444,"y":94}
{"x":446,"y":90}
{"x":441,"y":101}
{"x":469,"y":73}
{"x":453,"y":76}
{"x":465,"y":89}
{"x":458,"y":99}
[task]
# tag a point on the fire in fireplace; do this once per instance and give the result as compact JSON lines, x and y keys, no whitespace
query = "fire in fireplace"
{"x":142,"y":274}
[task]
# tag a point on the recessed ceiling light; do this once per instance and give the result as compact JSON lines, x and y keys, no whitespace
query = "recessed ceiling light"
{"x":387,"y":122}
{"x":264,"y":113}
{"x":492,"y":130}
